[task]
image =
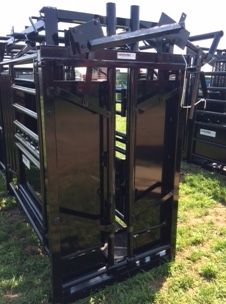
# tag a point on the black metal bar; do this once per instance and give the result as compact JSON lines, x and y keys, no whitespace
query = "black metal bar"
{"x":21,"y":60}
{"x":209,"y":124}
{"x":111,"y":19}
{"x":24,"y":89}
{"x":29,"y":31}
{"x":51,"y":25}
{"x":216,"y":88}
{"x":211,"y":113}
{"x":4,"y":38}
{"x":80,"y":214}
{"x":79,"y":18}
{"x":208,"y":163}
{"x":24,"y":110}
{"x":130,"y":174}
{"x":28,"y":155}
{"x":31,"y":218}
{"x":26,"y":80}
{"x":208,"y":142}
{"x":37,"y":67}
{"x":51,"y":194}
{"x":33,"y":203}
{"x":111,"y":164}
{"x":193,"y":47}
{"x":36,"y":27}
{"x":196,"y":83}
{"x":214,"y":45}
{"x":211,"y":51}
{"x":27,"y":145}
{"x":203,"y":84}
{"x":216,"y":100}
{"x":170,"y":171}
{"x":205,"y":36}
{"x":23,"y":68}
{"x":120,"y":139}
{"x":120,"y":150}
{"x":141,"y":194}
{"x":133,"y":37}
{"x":134,"y":24}
{"x":215,"y":73}
{"x":149,"y":229}
{"x":24,"y":129}
{"x":118,"y":133}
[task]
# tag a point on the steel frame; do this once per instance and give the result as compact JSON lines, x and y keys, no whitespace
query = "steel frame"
{"x":196,"y":83}
{"x":206,"y":132}
{"x":127,"y":201}
{"x":46,"y":221}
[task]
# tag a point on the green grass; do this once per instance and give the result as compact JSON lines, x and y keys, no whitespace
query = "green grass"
{"x":198,"y":274}
{"x":24,"y":269}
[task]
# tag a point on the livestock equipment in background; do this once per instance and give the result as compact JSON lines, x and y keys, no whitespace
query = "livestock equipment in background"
{"x":205,"y":132}
{"x":92,"y":143}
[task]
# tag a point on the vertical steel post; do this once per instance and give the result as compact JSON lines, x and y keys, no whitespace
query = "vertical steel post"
{"x":47,"y":104}
{"x":111,"y":18}
{"x":130,"y":174}
{"x":111,"y":161}
{"x":170,"y":172}
{"x":111,"y":30}
{"x":51,"y":25}
{"x":134,"y":23}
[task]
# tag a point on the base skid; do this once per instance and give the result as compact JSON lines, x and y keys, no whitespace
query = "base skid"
{"x":87,"y":284}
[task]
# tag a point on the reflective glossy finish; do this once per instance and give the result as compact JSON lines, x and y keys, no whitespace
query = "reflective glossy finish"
{"x":97,"y":195}
{"x":206,"y":136}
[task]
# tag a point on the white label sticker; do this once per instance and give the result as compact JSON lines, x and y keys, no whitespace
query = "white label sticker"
{"x":26,"y":162}
{"x":162,"y":253}
{"x":208,"y":133}
{"x":124,"y":55}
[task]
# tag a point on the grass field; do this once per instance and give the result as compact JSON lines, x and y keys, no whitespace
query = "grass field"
{"x":197,"y":276}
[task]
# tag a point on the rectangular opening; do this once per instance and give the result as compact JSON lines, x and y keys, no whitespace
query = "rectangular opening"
{"x":121,"y":99}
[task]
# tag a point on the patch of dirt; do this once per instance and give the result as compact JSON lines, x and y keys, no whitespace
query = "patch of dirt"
{"x":218,"y":216}
{"x":14,"y":215}
{"x":32,"y":250}
{"x":157,"y":284}
{"x":11,"y":296}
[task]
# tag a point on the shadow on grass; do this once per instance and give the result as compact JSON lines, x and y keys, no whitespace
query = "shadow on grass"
{"x":139,"y":289}
{"x":25,"y":271}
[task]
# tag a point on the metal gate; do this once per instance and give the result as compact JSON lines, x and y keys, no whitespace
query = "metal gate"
{"x":94,"y":145}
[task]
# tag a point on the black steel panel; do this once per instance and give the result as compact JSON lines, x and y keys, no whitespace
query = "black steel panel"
{"x":78,"y":154}
{"x":210,"y":133}
{"x":149,"y":153}
{"x":2,"y":140}
{"x":149,"y":144}
{"x":210,"y":152}
{"x":6,"y":100}
{"x":208,"y":127}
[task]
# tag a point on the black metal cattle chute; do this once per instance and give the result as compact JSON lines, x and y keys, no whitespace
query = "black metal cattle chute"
{"x":94,"y":142}
{"x":205,"y":133}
